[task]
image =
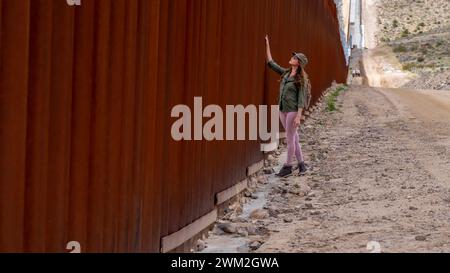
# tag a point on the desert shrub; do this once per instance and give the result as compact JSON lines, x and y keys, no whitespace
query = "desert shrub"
{"x":395,"y":24}
{"x":405,"y":33}
{"x":332,"y":98}
{"x":408,"y":66}
{"x":400,"y":49}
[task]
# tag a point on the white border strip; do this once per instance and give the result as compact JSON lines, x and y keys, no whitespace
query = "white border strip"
{"x":255,"y":168}
{"x":178,"y":238}
{"x":269,"y":147}
{"x":229,"y":193}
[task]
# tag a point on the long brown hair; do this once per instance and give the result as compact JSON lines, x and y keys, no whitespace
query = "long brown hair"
{"x":300,"y":78}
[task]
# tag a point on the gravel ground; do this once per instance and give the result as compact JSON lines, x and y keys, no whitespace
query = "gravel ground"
{"x":380,"y":172}
{"x":436,"y":81}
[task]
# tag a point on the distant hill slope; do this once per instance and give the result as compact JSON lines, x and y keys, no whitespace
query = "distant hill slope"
{"x":419,"y":32}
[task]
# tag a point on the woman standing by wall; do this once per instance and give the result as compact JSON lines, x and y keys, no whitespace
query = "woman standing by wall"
{"x":294,"y":97}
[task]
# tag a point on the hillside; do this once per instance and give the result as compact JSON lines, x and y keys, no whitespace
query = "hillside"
{"x":419,"y":33}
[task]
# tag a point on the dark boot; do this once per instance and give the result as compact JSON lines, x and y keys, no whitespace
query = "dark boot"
{"x":285,"y":171}
{"x":302,"y":168}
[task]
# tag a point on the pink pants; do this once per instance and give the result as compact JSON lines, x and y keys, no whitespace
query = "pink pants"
{"x":293,"y":139}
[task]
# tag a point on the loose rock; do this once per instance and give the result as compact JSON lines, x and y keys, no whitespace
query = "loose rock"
{"x":421,"y":238}
{"x":200,"y":246}
{"x":227,"y":227}
{"x":254,"y":245}
{"x":259,"y":214}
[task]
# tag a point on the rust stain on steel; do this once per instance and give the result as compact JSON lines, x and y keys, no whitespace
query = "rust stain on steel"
{"x":85,"y":98}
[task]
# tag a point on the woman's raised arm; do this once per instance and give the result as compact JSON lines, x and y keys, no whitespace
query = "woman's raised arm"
{"x":272,"y":64}
{"x":269,"y":54}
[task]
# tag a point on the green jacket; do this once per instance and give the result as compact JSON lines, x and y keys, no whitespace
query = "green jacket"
{"x":292,"y":97}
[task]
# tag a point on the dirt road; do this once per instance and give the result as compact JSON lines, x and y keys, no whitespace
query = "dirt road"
{"x":369,"y":17}
{"x":381,"y":172}
{"x":382,"y":68}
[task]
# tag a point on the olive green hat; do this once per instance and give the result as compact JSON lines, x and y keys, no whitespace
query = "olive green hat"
{"x":301,"y":57}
